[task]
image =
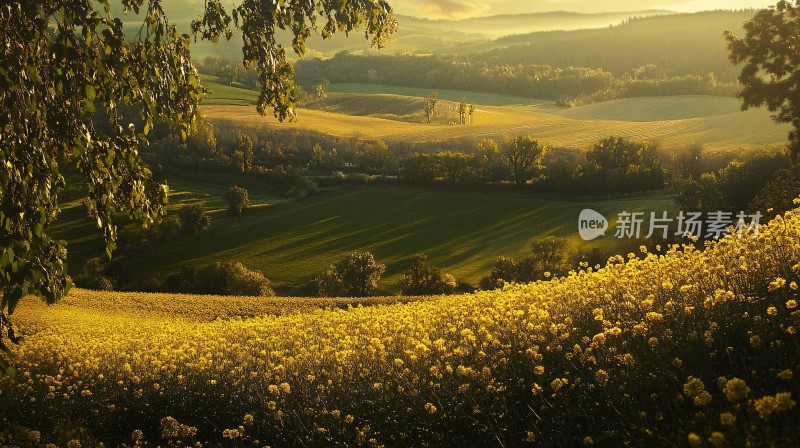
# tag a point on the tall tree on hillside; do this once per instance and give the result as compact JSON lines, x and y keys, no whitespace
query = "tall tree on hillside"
{"x":62,"y":60}
{"x":771,"y":72}
{"x":462,"y":112}
{"x":244,"y":147}
{"x":430,"y":106}
{"x":522,"y":155}
{"x":322,"y":89}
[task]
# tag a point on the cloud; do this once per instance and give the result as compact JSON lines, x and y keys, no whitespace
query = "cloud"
{"x":451,"y":9}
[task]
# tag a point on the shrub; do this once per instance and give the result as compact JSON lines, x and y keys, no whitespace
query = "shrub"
{"x":95,"y":276}
{"x":422,"y":278}
{"x":230,"y":278}
{"x":303,"y":186}
{"x":551,"y":256}
{"x":355,"y":276}
{"x":238,"y":200}
{"x":167,"y":230}
{"x":102,"y":275}
{"x":194,"y":218}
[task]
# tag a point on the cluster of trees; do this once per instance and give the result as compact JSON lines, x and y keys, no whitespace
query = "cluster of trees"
{"x":222,"y":278}
{"x":515,"y":159}
{"x":618,"y":165}
{"x":763,"y":183}
{"x":568,"y":85}
{"x":612,"y":166}
{"x":357,"y":275}
{"x":264,"y":160}
{"x":550,"y":256}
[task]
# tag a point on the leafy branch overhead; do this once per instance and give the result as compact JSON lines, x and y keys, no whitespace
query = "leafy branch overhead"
{"x":259,"y":21}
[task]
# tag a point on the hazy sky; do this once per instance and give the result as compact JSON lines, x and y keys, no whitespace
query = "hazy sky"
{"x":436,"y":9}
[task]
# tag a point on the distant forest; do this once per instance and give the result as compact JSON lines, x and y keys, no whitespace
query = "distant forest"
{"x":654,"y":56}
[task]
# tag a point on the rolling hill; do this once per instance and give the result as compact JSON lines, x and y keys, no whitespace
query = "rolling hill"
{"x":292,"y":243}
{"x":386,"y":112}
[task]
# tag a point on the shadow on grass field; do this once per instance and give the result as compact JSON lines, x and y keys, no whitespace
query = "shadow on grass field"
{"x":462,"y":233}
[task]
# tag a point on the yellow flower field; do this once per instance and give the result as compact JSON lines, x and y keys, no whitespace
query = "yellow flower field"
{"x":683,"y":348}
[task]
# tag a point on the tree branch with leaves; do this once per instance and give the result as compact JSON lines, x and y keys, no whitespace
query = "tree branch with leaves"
{"x":770,"y":52}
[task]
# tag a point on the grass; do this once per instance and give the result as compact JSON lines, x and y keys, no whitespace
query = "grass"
{"x":662,"y":108}
{"x":85,"y":241}
{"x":462,"y":233}
{"x":385,"y":112}
{"x":219,"y":92}
{"x":486,"y":99}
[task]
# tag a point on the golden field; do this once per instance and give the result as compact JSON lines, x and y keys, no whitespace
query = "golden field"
{"x":674,"y":122}
{"x":682,"y":348}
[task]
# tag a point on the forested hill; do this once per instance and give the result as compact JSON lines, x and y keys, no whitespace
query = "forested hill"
{"x":679,"y":44}
{"x":677,"y":54}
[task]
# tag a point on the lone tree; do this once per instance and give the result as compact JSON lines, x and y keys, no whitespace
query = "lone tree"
{"x":322,"y":89}
{"x":355,"y":276}
{"x":462,"y":112}
{"x":430,"y":106}
{"x":238,"y":200}
{"x":771,"y":72}
{"x":244,"y":145}
{"x":60,"y":61}
{"x":194,"y":218}
{"x":522,"y":155}
{"x":551,"y":254}
{"x":421,"y":278}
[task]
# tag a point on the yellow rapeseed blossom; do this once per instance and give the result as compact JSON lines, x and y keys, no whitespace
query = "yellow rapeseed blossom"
{"x":718,"y":440}
{"x":693,"y":387}
{"x":768,"y":405}
{"x":736,"y":389}
{"x":544,"y":349}
{"x":601,"y":376}
{"x":727,"y":419}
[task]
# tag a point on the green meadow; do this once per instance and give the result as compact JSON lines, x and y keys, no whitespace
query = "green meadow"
{"x":293,"y":242}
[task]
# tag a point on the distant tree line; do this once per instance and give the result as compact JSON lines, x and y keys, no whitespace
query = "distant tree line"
{"x":569,"y":85}
{"x":612,"y":166}
{"x":300,"y":164}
